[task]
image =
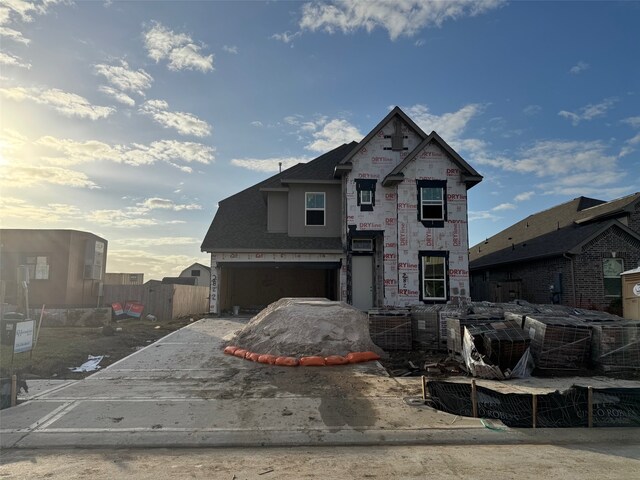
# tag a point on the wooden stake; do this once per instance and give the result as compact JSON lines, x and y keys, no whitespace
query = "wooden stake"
{"x":534,"y":414}
{"x":14,"y":390}
{"x":590,"y":406}
{"x":424,"y":388}
{"x":474,"y":399}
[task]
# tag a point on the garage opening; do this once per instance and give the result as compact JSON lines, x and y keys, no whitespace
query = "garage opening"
{"x":253,"y":286}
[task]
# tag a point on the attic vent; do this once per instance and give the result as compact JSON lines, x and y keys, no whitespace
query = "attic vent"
{"x":397,"y":139}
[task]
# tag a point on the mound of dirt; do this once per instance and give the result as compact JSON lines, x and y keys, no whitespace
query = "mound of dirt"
{"x":306,"y":326}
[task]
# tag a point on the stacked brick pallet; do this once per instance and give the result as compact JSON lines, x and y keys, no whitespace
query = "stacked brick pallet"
{"x":391,"y":329}
{"x":559,"y":343}
{"x":425,"y":326}
{"x":505,"y":344}
{"x":616,"y":345}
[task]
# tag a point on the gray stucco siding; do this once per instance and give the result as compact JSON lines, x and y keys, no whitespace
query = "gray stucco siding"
{"x":297,"y":219}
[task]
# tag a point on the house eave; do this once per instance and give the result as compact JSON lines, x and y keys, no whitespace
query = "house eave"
{"x":392,"y":180}
{"x":341,"y":169}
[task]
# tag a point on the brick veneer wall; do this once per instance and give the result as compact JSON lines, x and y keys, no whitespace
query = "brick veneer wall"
{"x":634,"y":219}
{"x":536,"y":276}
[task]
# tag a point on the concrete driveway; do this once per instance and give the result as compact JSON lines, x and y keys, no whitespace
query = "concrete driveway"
{"x":183,"y":391}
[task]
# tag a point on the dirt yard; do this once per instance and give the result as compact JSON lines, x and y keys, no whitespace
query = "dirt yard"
{"x":61,"y":348}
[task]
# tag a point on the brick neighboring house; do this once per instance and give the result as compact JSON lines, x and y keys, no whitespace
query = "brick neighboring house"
{"x":66,"y":267}
{"x":382,"y":222}
{"x":570,"y":254}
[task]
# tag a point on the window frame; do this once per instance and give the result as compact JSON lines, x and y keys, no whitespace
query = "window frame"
{"x":366,"y":202}
{"x":195,"y":272}
{"x":365,"y":185}
{"x":432,"y":184}
{"x":32,"y":267}
{"x":315,"y":209}
{"x":423,"y":255}
{"x":617,"y":277}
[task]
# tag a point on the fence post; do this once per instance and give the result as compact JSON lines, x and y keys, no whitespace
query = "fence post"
{"x":534,"y":411}
{"x":590,"y":406}
{"x":14,"y":390}
{"x":474,"y":399}
{"x":424,"y":388}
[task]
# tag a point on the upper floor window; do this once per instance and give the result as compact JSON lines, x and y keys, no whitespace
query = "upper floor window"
{"x":611,"y":269}
{"x":432,"y":205}
{"x":195,"y":273}
{"x":38,"y":267}
{"x":434,"y":276}
{"x":315,"y":208}
{"x":366,"y":194}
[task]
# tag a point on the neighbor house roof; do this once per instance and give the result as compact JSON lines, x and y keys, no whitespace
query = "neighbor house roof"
{"x":580,"y":210}
{"x":568,"y":239}
{"x":241,"y":220}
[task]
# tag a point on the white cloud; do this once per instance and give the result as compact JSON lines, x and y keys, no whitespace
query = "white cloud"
{"x":157,"y":241}
{"x":12,"y":175}
{"x":504,"y":206}
{"x":589,"y":112}
{"x":117,"y":95}
{"x":165,"y":204}
{"x":524,"y":196}
{"x":268,"y":164}
{"x":420,"y":42}
{"x":398,"y":17}
{"x":178,"y":49}
{"x":124,"y":78}
{"x":184,"y":123}
{"x":474,"y":216}
{"x":13,"y":61}
{"x":119,"y":219}
{"x":531,"y":110}
{"x":333,"y":134}
{"x":286,"y":37}
{"x":230,"y":49}
{"x":11,"y":207}
{"x":74,"y":152}
{"x":15,"y":35}
{"x":68,"y":104}
{"x":632,"y":121}
{"x":257,"y":123}
{"x":579,"y":67}
{"x":450,"y":126}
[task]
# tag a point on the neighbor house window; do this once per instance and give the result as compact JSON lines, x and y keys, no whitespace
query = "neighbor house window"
{"x":38,"y":267}
{"x":611,"y":269}
{"x":314,"y":208}
{"x":195,"y":273}
{"x":432,"y":205}
{"x":433,"y":276}
{"x":366,"y":194}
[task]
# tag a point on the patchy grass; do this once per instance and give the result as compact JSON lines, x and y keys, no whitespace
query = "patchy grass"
{"x":61,"y":348}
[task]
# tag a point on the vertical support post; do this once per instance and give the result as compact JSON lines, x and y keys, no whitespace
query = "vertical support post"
{"x":534,"y":409}
{"x":214,"y":292}
{"x":590,"y":406}
{"x":424,"y":387}
{"x":474,"y":399}
{"x":14,"y":390}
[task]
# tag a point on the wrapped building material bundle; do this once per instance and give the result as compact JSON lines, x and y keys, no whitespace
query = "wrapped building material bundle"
{"x":616,"y":346}
{"x":391,"y":329}
{"x":505,"y":344}
{"x":559,"y":343}
{"x":455,"y":329}
{"x":425,"y":326}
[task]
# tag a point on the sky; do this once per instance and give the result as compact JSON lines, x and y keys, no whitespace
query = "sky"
{"x":132,"y":120}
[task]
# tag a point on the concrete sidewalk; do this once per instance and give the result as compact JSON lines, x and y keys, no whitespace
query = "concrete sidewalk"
{"x":182,"y":391}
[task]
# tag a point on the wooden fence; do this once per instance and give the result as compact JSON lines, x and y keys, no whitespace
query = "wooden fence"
{"x":165,"y":301}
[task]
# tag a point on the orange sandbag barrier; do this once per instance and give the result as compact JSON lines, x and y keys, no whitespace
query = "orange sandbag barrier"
{"x":252,"y":356}
{"x":312,"y":362}
{"x":357,"y":357}
{"x":230,"y":350}
{"x":335,"y":360}
{"x":287,"y":361}
{"x":240,"y":353}
{"x":267,"y":359}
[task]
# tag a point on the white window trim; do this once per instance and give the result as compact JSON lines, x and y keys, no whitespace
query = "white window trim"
{"x":368,"y":248}
{"x":323,"y":209}
{"x":362,"y":201}
{"x":432,"y":202}
{"x":425,"y":279}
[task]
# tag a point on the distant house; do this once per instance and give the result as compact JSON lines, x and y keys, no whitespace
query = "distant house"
{"x":379,"y":223}
{"x":66,"y":267}
{"x":200,"y":273}
{"x":124,"y":278}
{"x":570,"y":254}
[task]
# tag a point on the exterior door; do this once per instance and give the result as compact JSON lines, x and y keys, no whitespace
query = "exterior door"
{"x":362,"y":281}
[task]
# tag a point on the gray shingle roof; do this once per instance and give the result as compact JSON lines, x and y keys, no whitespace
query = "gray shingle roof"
{"x":581,"y":210}
{"x":556,"y":243}
{"x":241,"y":220}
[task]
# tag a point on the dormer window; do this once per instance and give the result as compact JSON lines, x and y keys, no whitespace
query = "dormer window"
{"x":366,"y":194}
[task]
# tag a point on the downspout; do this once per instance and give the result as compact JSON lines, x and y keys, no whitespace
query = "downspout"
{"x":573,"y":279}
